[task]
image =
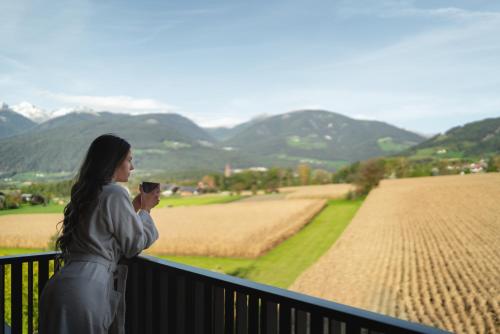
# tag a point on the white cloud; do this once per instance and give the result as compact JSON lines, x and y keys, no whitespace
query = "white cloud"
{"x":446,"y":73}
{"x":131,"y":105}
{"x":126,"y":104}
{"x":414,"y":110}
{"x":433,"y":80}
{"x":451,"y":13}
{"x":213,"y":122}
{"x":407,"y":8}
{"x":435,"y":49}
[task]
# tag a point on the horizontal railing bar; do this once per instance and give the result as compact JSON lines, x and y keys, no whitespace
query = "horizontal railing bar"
{"x":300,"y":301}
{"x":12,"y":259}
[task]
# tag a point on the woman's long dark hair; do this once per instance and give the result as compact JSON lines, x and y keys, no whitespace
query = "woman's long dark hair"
{"x":104,"y":155}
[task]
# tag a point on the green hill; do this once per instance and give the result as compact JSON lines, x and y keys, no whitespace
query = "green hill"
{"x":12,"y":123}
{"x":476,"y":139}
{"x":318,"y":135}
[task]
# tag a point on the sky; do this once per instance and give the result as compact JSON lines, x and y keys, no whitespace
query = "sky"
{"x":425,"y":66}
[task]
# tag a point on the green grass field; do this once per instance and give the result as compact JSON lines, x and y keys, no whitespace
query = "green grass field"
{"x":432,"y":153}
{"x":18,"y":251}
{"x":27,"y":208}
{"x":305,"y":143}
{"x":389,"y":145}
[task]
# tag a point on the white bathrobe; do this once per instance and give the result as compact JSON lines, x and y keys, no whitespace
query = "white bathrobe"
{"x":81,"y":297}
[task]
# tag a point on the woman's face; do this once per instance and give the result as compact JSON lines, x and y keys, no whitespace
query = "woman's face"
{"x":122,"y":172}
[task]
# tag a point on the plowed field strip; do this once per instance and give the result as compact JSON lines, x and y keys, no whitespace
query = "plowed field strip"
{"x":422,"y":249}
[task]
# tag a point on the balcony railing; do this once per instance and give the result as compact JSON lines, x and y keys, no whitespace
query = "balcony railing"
{"x":168,"y":297}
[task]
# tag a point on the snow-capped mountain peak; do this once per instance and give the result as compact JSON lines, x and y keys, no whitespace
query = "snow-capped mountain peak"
{"x":79,"y":109}
{"x":41,"y":115}
{"x":32,"y":112}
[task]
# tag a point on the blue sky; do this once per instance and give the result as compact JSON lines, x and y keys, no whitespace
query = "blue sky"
{"x":421,"y":65}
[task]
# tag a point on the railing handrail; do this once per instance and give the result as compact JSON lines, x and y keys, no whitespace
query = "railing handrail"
{"x":270,"y":293}
{"x":279,"y":294}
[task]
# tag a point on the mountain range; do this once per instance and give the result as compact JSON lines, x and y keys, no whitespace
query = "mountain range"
{"x":39,"y":115}
{"x":171,"y":143}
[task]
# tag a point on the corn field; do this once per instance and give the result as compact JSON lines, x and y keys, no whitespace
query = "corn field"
{"x":422,"y":249}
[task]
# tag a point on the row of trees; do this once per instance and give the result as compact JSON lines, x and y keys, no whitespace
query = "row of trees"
{"x":269,"y":180}
{"x":49,"y":190}
{"x":41,"y":193}
{"x":11,"y":200}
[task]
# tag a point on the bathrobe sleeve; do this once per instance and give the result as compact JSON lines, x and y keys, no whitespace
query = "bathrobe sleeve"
{"x":133,"y":231}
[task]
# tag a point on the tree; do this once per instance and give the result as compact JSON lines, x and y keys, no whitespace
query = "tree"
{"x":369,"y":175}
{"x":398,"y":167}
{"x":237,"y":188}
{"x":497,"y":162}
{"x":304,"y":172}
{"x":254,"y":189}
{"x":209,"y":181}
{"x":271,"y":180}
{"x":13,"y":200}
{"x":493,"y":164}
{"x":321,"y":176}
{"x":346,"y":174}
{"x":286,"y":177}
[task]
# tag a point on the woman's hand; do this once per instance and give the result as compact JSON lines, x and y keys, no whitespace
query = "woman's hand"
{"x":147,"y":201}
{"x":137,"y":202}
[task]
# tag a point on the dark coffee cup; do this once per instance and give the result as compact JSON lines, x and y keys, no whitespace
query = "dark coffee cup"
{"x":148,"y":187}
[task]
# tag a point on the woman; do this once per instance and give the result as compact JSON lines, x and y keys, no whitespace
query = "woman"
{"x":100,"y":226}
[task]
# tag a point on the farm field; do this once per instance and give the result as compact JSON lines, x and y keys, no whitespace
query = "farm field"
{"x":421,"y":249}
{"x":229,"y":230}
{"x":330,"y":191}
{"x":28,"y":230}
{"x":241,"y":229}
{"x":32,"y":226}
{"x":28,"y":209}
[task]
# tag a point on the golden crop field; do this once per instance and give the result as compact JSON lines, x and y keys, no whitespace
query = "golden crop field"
{"x":28,"y":230}
{"x":239,"y":229}
{"x":422,"y":249}
{"x":329,"y":191}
